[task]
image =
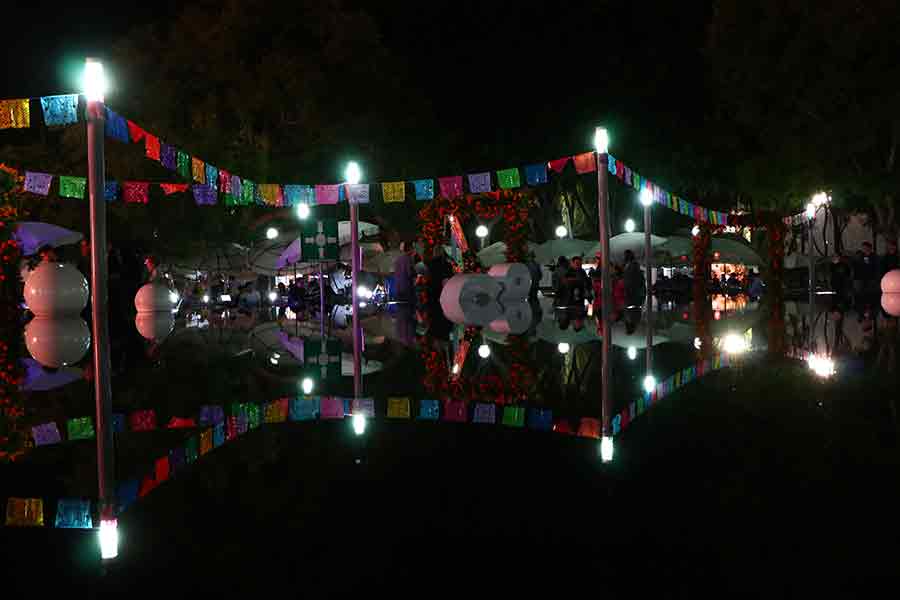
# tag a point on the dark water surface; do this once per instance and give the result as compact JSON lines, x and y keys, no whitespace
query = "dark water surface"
{"x":749,"y":473}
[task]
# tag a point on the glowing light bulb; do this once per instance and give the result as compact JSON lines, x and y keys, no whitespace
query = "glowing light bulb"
{"x":205,"y":298}
{"x":629,"y":225}
{"x":649,"y":383}
{"x":601,"y":140}
{"x":606,"y":449}
{"x":484,"y":351}
{"x":273,"y":296}
{"x":695,"y":230}
{"x":734,"y":344}
{"x":632,"y":352}
{"x":563,"y":347}
{"x":352,"y":174}
{"x":481,"y":231}
{"x":359,"y":424}
{"x":646,"y":197}
{"x":561,"y":231}
{"x":94,"y":80}
{"x":109,"y":539}
{"x":307,"y":386}
{"x":820,"y":198}
{"x":271,"y":233}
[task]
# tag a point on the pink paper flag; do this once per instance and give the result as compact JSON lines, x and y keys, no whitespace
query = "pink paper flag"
{"x":135,"y":192}
{"x":559,"y":164}
{"x":327,"y":194}
{"x":451,"y":187}
{"x":331,"y":407}
{"x":455,"y":411}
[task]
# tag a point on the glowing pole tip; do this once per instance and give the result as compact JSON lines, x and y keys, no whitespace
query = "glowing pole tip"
{"x":649,"y":383}
{"x":359,"y":424}
{"x":484,"y":351}
{"x":629,"y":225}
{"x":561,"y":231}
{"x":352,"y":174}
{"x":632,"y":353}
{"x":563,"y":347}
{"x":481,"y":231}
{"x":173,"y":297}
{"x":646,"y":197}
{"x":302,"y":211}
{"x":94,"y":80}
{"x":271,"y":233}
{"x":109,"y":539}
{"x":601,"y":140}
{"x":307,"y":386}
{"x":606,"y":449}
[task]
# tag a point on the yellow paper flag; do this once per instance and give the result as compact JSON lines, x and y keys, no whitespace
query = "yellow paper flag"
{"x":398,"y":408}
{"x":394,"y":191}
{"x":269,"y":193}
{"x":14,"y":113}
{"x":25,"y":512}
{"x":205,"y":441}
{"x":198,"y":170}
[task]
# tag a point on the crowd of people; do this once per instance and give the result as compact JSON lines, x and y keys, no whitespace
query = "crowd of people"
{"x":860,"y":275}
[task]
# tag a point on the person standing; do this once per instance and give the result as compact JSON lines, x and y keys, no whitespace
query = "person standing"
{"x":840,"y":275}
{"x":404,"y":274}
{"x":635,"y":289}
{"x":889,"y":260}
{"x":866,"y":271}
{"x":534,"y":269}
{"x":581,"y":285}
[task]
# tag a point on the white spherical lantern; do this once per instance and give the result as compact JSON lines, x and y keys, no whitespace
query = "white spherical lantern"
{"x":890,"y":283}
{"x":56,"y":289}
{"x":154,"y":297}
{"x":891,"y":303}
{"x":155,"y":326}
{"x":57,"y":342}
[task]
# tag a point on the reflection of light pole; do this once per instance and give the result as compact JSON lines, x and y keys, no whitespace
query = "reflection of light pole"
{"x":482,"y":232}
{"x":94,"y":88}
{"x":352,"y":175}
{"x":647,"y":202}
{"x":811,"y":220}
{"x":601,"y":149}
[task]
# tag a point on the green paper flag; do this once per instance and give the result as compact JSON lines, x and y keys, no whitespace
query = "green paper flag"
{"x":324,"y":358}
{"x":248,"y":193}
{"x":253,"y":415}
{"x":319,"y":240}
{"x":72,"y":187}
{"x":184,"y":164}
{"x":81,"y":428}
{"x":508,"y":178}
{"x":514,"y":416}
{"x":191,"y":449}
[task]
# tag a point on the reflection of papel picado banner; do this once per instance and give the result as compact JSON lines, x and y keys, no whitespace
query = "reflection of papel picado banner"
{"x":497,"y":299}
{"x":320,"y":240}
{"x":324,"y":358}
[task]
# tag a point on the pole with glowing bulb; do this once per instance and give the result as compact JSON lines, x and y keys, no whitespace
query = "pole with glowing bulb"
{"x":647,"y":202}
{"x":94,"y":90}
{"x":601,"y":149}
{"x":352,"y":176}
{"x":810,"y":225}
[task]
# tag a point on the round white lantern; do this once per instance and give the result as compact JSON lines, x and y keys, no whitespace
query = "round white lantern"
{"x":890,"y":283}
{"x":155,"y":326}
{"x":154,"y":297}
{"x":57,"y":342}
{"x":891,"y":303}
{"x":56,"y":289}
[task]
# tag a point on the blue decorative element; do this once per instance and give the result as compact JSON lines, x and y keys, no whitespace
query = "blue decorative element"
{"x":617,"y":424}
{"x":611,"y":164}
{"x":299,"y":194}
{"x":540,"y":419}
{"x":127,"y":493}
{"x":429,"y":410}
{"x":73,"y":513}
{"x":118,"y":423}
{"x":111,"y":191}
{"x":304,"y":409}
{"x":219,"y":435}
{"x":211,"y":414}
{"x":424,"y":189}
{"x":485,"y":412}
{"x":60,"y":110}
{"x":536,"y":174}
{"x":116,"y":126}
{"x":212,"y":176}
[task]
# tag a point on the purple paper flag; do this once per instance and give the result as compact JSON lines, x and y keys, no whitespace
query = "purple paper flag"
{"x":485,"y":413}
{"x":204,"y":195}
{"x":38,"y":183}
{"x":359,"y":193}
{"x":236,"y":188}
{"x":364,"y":407}
{"x":168,"y":156}
{"x":327,"y":194}
{"x":451,"y":187}
{"x":479,"y":183}
{"x":46,"y":434}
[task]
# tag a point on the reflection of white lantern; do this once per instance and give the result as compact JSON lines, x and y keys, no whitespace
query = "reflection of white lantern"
{"x":155,"y":326}
{"x":891,"y":303}
{"x":481,"y":231}
{"x":56,"y":289}
{"x":154,"y":297}
{"x":890,"y":283}
{"x":57,"y":342}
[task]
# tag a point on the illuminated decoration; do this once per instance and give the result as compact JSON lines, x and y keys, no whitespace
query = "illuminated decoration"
{"x":359,"y":424}
{"x":109,"y":539}
{"x":606,"y":449}
{"x":561,"y":231}
{"x":822,"y":365}
{"x":484,"y":351}
{"x":601,"y":140}
{"x":93,"y":81}
{"x":563,"y":347}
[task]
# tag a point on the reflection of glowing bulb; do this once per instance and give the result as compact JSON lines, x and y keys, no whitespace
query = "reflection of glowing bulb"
{"x":632,"y":352}
{"x":649,"y":383}
{"x":363,"y":292}
{"x":359,"y":424}
{"x":302,"y":211}
{"x":563,"y":347}
{"x":307,"y":385}
{"x":717,"y":315}
{"x":821,"y":365}
{"x":455,"y":369}
{"x":629,"y":225}
{"x":205,"y":298}
{"x":695,"y":230}
{"x":271,"y":233}
{"x":810,"y":210}
{"x":698,"y":343}
{"x":484,"y":351}
{"x":606,"y":449}
{"x":734,"y":344}
{"x":173,"y":297}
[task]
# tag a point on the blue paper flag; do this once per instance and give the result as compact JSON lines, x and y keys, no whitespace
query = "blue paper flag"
{"x":116,"y":126}
{"x":304,"y":409}
{"x":211,"y":414}
{"x":60,"y":110}
{"x":540,"y":419}
{"x":127,"y":493}
{"x":212,"y":176}
{"x":118,"y":423}
{"x":73,"y":513}
{"x":111,"y":191}
{"x":536,"y":174}
{"x":204,"y":195}
{"x":429,"y":410}
{"x":424,"y":189}
{"x":219,"y":435}
{"x":611,"y":164}
{"x":299,"y":194}
{"x":617,"y":424}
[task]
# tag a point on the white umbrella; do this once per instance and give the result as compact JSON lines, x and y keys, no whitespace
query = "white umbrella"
{"x":618,"y":244}
{"x":730,"y":251}
{"x":32,"y":235}
{"x":496,"y":253}
{"x":549,"y":251}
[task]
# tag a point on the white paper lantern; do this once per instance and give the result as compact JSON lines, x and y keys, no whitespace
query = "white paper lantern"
{"x":891,"y":303}
{"x":890,"y":283}
{"x":153,"y":297}
{"x":56,"y":289}
{"x":155,"y":326}
{"x":57,"y":342}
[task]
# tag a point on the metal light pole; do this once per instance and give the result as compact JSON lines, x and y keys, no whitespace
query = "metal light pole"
{"x":352,"y":176}
{"x":96,"y":116}
{"x":601,"y":147}
{"x":811,"y":220}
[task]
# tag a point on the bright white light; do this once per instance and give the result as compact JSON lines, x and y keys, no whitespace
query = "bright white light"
{"x":481,"y":231}
{"x":821,"y":365}
{"x":109,"y":539}
{"x":734,"y":344}
{"x":307,"y":385}
{"x":274,"y":361}
{"x":632,"y":352}
{"x":363,"y":304}
{"x":225,"y":298}
{"x":359,"y":424}
{"x":352,"y":174}
{"x":455,"y":369}
{"x":695,"y":230}
{"x":629,"y":225}
{"x":273,"y":296}
{"x":698,"y":343}
{"x":601,"y":140}
{"x":810,"y":211}
{"x":649,"y":383}
{"x":563,"y":347}
{"x":173,"y":297}
{"x":484,"y":351}
{"x":646,"y":197}
{"x":606,"y":449}
{"x":363,"y":292}
{"x":302,"y":211}
{"x":820,"y":199}
{"x":205,"y":298}
{"x":94,"y":80}
{"x":561,"y":231}
{"x":271,"y":233}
